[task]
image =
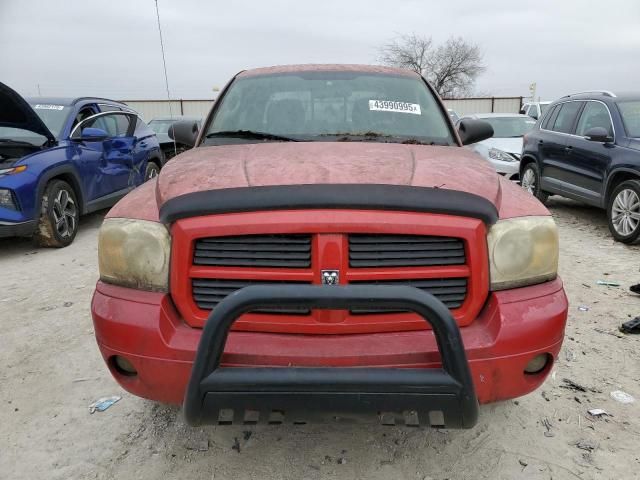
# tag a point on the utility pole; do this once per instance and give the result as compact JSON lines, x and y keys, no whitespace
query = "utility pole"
{"x":39,"y":94}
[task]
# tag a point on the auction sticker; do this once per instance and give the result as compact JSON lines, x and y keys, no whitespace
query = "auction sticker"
{"x":392,"y":106}
{"x":41,"y":106}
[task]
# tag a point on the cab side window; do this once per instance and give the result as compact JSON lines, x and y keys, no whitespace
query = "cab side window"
{"x":566,"y":117}
{"x":84,"y":113}
{"x":142,"y":129}
{"x":533,"y":111}
{"x":116,"y":124}
{"x":548,"y":118}
{"x":595,"y":114}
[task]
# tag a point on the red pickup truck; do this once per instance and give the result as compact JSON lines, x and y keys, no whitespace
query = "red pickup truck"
{"x":328,"y":247}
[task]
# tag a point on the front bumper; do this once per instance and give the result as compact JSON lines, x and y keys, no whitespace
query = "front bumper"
{"x":512,"y":328}
{"x":17,"y":229}
{"x":511,"y":170}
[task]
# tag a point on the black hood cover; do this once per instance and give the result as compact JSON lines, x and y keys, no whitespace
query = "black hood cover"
{"x":15,"y":112}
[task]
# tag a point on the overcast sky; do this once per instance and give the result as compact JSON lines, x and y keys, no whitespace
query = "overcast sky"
{"x":111,"y":48}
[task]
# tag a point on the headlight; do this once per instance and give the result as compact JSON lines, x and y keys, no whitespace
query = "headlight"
{"x":523,"y":251}
{"x":18,"y":169}
{"x":497,"y":154}
{"x":6,"y":199}
{"x":134,"y":253}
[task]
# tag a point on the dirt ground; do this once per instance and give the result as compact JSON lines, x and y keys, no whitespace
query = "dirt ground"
{"x":50,"y":371}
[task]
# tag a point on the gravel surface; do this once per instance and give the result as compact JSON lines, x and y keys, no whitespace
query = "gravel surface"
{"x":50,"y":371}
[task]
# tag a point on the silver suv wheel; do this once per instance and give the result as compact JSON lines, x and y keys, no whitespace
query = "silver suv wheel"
{"x":625,"y":212}
{"x":64,"y":214}
{"x":529,"y":181}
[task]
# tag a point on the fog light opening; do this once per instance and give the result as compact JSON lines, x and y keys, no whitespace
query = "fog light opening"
{"x":538,"y":364}
{"x":123,"y":366}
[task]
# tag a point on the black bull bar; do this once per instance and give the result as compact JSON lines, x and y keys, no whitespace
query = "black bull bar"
{"x":440,"y":397}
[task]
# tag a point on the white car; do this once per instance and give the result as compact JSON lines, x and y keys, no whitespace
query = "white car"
{"x":535,"y":109}
{"x":503,"y":150}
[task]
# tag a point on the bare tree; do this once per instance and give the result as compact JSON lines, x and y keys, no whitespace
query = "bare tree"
{"x":407,"y":51}
{"x":452,"y":68}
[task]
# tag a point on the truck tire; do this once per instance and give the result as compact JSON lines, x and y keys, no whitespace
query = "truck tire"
{"x":59,"y":215}
{"x":623,"y":212}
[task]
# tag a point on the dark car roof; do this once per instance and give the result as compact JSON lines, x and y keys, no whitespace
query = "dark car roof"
{"x":603,"y":95}
{"x":279,"y":69}
{"x":69,"y":101}
{"x":626,"y":96}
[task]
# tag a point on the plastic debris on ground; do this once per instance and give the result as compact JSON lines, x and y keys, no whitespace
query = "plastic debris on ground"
{"x":608,"y":283}
{"x":103,"y":403}
{"x":583,"y":308}
{"x":622,"y":397}
{"x":598,"y":412}
{"x":632,"y":326}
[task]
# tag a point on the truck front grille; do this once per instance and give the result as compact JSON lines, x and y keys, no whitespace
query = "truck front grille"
{"x":373,"y":251}
{"x":209,"y":292}
{"x":214,"y":257}
{"x":265,"y":251}
{"x":450,"y":291}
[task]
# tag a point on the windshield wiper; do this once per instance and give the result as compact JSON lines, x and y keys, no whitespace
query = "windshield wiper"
{"x":368,"y":135}
{"x":250,"y":134}
{"x":380,"y":137}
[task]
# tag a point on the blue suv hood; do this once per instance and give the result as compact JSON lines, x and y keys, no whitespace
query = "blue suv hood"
{"x":15,"y":112}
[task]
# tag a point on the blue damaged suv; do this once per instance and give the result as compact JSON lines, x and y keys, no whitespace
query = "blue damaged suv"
{"x":587,"y":147}
{"x":61,"y":158}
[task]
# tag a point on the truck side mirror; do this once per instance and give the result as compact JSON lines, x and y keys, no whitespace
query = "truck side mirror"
{"x":472,"y":131}
{"x":184,"y":131}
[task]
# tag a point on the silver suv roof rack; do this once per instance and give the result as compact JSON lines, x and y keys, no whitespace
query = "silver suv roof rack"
{"x":607,"y":93}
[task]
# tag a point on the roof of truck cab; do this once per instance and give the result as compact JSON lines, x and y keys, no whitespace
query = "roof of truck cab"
{"x":288,"y":69}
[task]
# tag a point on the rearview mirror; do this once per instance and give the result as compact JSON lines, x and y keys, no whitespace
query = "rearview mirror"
{"x":598,"y":134}
{"x":184,"y":131}
{"x":91,"y":134}
{"x":472,"y":131}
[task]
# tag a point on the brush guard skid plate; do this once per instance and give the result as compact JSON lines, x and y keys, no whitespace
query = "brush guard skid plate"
{"x":442,"y":397}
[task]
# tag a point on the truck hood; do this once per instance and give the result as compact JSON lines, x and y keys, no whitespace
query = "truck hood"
{"x":15,"y":112}
{"x":297,"y":163}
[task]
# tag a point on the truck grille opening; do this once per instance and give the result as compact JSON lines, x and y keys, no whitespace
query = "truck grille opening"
{"x":209,"y":292}
{"x":214,"y":257}
{"x":372,"y":251}
{"x":267,"y":251}
{"x":450,"y":291}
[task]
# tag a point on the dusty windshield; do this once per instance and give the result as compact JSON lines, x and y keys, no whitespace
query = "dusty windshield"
{"x":53,"y":116}
{"x":329,"y":106}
